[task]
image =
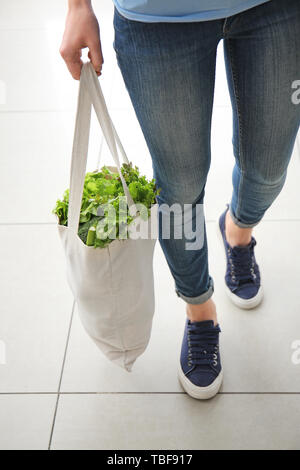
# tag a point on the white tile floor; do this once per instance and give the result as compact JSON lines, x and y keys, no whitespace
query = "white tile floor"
{"x":54,"y":378}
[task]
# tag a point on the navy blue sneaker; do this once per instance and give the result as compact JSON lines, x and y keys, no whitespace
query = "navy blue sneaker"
{"x":200,"y":372}
{"x":242,"y":278}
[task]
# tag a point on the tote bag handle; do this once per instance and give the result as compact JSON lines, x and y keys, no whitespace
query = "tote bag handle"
{"x":90,"y":94}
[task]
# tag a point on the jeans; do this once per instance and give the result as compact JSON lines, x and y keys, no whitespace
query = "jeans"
{"x":169,"y":72}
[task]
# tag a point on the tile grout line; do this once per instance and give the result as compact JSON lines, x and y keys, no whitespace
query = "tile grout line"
{"x":208,"y":221}
{"x":61,"y":376}
{"x":142,"y":393}
{"x":27,"y":223}
{"x":64,"y":110}
{"x":35,"y":111}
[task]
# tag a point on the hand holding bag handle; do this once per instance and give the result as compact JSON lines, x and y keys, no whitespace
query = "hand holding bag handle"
{"x":90,"y":93}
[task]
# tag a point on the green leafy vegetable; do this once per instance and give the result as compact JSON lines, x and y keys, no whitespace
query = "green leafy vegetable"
{"x":102,"y":212}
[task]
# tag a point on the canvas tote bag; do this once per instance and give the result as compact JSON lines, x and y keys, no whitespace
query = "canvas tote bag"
{"x":113,"y":286}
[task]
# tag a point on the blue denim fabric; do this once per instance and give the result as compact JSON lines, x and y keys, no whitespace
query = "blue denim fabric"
{"x":169,"y":72}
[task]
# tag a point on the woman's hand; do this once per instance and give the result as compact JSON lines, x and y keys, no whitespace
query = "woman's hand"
{"x":81,"y":30}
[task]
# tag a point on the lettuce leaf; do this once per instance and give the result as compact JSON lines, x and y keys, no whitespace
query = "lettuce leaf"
{"x":104,"y":187}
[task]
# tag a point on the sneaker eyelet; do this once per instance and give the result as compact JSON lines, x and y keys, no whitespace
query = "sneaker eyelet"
{"x":215,"y":363}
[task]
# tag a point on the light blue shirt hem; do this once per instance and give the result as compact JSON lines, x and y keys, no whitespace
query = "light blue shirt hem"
{"x":190,"y":17}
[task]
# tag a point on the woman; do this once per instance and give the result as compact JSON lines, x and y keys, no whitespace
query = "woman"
{"x":166,"y":52}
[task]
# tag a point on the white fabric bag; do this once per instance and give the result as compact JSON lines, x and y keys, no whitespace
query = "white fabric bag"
{"x":113,"y":286}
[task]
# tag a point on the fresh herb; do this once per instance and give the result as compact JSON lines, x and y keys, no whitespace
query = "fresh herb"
{"x":104,"y":188}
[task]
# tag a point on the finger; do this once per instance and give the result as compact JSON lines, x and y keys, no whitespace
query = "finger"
{"x":75,"y":68}
{"x":73,"y":62}
{"x":96,"y":57}
{"x":98,"y":72}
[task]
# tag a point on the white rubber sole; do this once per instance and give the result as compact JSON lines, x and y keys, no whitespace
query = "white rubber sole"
{"x":246,"y":304}
{"x":200,"y":393}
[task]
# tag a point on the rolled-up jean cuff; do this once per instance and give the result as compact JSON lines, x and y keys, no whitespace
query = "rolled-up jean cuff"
{"x":200,"y":299}
{"x":239,"y":223}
